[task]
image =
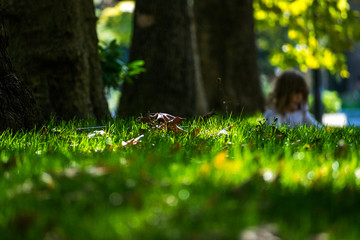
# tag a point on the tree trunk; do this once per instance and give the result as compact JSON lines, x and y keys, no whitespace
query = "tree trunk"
{"x":226,"y":40}
{"x":17,"y":105}
{"x":162,"y":37}
{"x":53,"y":45}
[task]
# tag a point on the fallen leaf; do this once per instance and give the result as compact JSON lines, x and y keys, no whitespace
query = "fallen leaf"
{"x":96,"y":133}
{"x":175,"y":128}
{"x":277,"y":133}
{"x":132,"y":141}
{"x":160,"y":117}
{"x":162,"y":121}
{"x":224,"y":131}
{"x":313,"y":143}
{"x":195,"y":132}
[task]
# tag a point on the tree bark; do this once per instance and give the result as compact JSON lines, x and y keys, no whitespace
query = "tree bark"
{"x":226,"y":40}
{"x":17,"y":105}
{"x":162,"y":37}
{"x":53,"y":45}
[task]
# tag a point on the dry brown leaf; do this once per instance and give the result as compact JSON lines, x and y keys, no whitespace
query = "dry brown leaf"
{"x":163,"y":121}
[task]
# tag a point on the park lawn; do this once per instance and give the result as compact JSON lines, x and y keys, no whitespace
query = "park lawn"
{"x":218,"y":178}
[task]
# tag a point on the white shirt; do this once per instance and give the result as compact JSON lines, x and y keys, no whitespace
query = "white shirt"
{"x":292,"y":119}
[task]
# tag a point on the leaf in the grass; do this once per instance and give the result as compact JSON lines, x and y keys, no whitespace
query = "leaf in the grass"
{"x":163,"y":121}
{"x":132,"y":141}
{"x":195,"y":132}
{"x":160,"y":117}
{"x":277,"y":133}
{"x":225,"y":130}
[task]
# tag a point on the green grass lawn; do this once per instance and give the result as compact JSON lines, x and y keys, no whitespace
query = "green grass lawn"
{"x":222,"y":178}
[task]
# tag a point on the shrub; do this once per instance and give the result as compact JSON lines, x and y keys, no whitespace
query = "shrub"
{"x":115,"y":70}
{"x":331,"y":100}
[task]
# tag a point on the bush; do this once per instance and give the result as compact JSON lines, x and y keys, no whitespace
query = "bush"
{"x":115,"y":70}
{"x":331,"y":100}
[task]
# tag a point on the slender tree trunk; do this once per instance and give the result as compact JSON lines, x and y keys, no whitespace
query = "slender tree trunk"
{"x":162,"y":37}
{"x":17,"y":105}
{"x":53,"y":45}
{"x":226,"y":40}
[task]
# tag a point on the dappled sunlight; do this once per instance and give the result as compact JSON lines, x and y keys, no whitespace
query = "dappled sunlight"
{"x":299,"y":6}
{"x":123,"y":6}
{"x":323,"y":36}
{"x":115,"y":23}
{"x":127,"y":6}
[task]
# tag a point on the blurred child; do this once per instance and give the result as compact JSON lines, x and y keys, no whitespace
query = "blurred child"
{"x":288,"y":102}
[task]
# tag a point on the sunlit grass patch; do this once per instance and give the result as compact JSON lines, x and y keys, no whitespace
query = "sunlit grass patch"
{"x":128,"y":180}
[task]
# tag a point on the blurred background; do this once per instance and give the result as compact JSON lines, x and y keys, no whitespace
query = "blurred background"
{"x":283,"y":40}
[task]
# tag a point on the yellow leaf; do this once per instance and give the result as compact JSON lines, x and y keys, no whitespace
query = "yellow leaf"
{"x":283,"y":6}
{"x":322,"y":172}
{"x":292,"y":34}
{"x":296,"y":177}
{"x":343,"y":5}
{"x":298,"y":7}
{"x":219,"y":160}
{"x":260,"y":15}
{"x":303,"y":67}
{"x":205,"y":169}
{"x":269,"y":3}
{"x":300,"y":22}
{"x":312,"y":62}
{"x":313,"y":43}
{"x":329,"y":59}
{"x":344,"y":73}
{"x":277,"y":59}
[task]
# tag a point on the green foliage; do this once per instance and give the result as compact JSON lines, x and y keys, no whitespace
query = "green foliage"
{"x":128,"y":180}
{"x":319,"y":32}
{"x":331,"y":100}
{"x":116,"y":23}
{"x":298,"y":33}
{"x":115,"y":70}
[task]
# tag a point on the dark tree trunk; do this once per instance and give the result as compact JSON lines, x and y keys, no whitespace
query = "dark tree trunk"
{"x":17,"y":105}
{"x":162,"y":37}
{"x":226,"y":40}
{"x":53,"y":45}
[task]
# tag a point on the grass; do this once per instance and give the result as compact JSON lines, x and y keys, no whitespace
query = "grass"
{"x":224,"y":178}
